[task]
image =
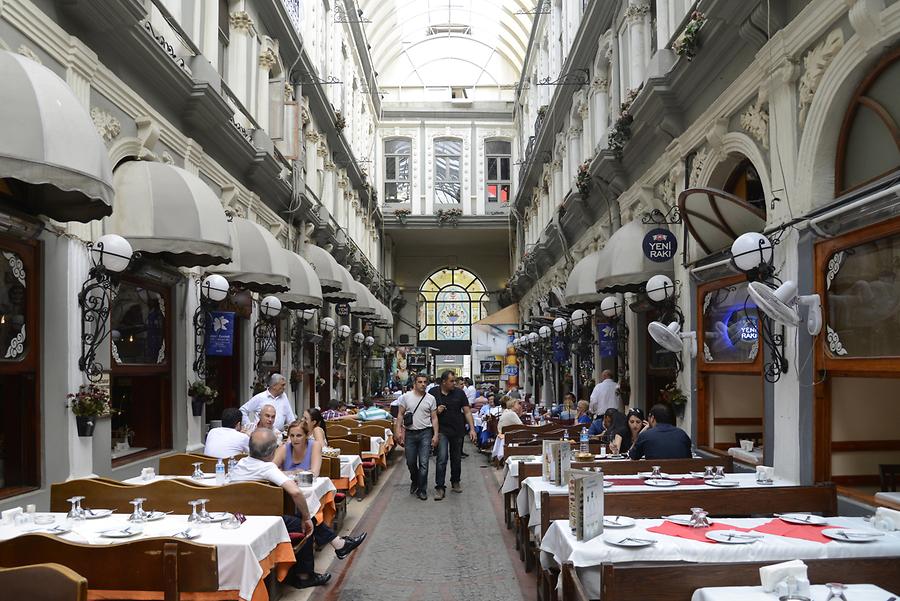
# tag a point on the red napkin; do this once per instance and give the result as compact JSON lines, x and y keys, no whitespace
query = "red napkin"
{"x":640,"y":481}
{"x":691,"y":533}
{"x":804,"y":532}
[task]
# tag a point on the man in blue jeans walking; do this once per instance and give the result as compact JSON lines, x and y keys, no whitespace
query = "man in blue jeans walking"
{"x":453,"y":414}
{"x":416,"y":428}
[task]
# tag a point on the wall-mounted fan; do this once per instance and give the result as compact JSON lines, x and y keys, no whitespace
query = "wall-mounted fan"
{"x":782,"y":305}
{"x":671,"y":337}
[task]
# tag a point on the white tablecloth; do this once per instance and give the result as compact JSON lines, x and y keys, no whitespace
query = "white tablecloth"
{"x":754,"y":457}
{"x":889,"y":498}
{"x":349,"y":463}
{"x":528,"y":501}
{"x":497,"y":450}
{"x":377,"y":441}
{"x":511,"y":470}
{"x":560,"y":545}
{"x":818,"y":592}
{"x":239,"y":551}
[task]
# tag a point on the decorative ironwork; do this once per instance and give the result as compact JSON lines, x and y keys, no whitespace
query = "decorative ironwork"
{"x":16,"y":345}
{"x":657,"y":217}
{"x":166,"y":46}
{"x":17,"y":266}
{"x":245,"y":133}
{"x":264,"y":340}
{"x":834,"y":342}
{"x":94,"y":300}
{"x":341,"y":16}
{"x":576,"y":78}
{"x":778,"y":363}
{"x":312,"y":78}
{"x":200,"y":321}
{"x":541,"y":8}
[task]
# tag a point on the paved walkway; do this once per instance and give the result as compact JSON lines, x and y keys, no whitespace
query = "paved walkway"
{"x":455,"y":549}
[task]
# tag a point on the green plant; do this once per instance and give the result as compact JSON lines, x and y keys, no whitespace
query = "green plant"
{"x":583,"y":182}
{"x":90,"y":400}
{"x":201,"y":391}
{"x":449,"y":216}
{"x":339,"y":121}
{"x":688,"y":42}
{"x":542,"y":112}
{"x":673,"y":395}
{"x":621,"y":131}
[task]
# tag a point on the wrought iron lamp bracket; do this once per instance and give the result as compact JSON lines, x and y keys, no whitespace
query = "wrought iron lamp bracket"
{"x":341,"y":16}
{"x":576,"y":77}
{"x":656,"y":217}
{"x":541,"y":8}
{"x":94,"y":300}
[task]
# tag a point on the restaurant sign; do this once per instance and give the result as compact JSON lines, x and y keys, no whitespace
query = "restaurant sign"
{"x":220,"y":334}
{"x":660,"y":245}
{"x":342,"y":309}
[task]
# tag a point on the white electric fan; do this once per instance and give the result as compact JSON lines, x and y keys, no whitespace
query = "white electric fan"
{"x":671,"y":337}
{"x":782,"y":305}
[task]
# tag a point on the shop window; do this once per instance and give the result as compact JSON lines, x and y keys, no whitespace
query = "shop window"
{"x":140,"y":375}
{"x":19,"y":367}
{"x":447,"y":171}
{"x":730,"y":326}
{"x":451,"y":300}
{"x":497,"y":172}
{"x":397,"y":170}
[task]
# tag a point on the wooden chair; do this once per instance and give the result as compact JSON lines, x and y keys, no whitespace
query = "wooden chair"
{"x":331,"y":468}
{"x":43,"y":582}
{"x":630,"y":581}
{"x":250,"y":498}
{"x":128,"y":570}
{"x":335,"y":430}
{"x":571,"y":585}
{"x":756,"y":437}
{"x":382,"y":423}
{"x":181,"y":464}
{"x":890,"y":476}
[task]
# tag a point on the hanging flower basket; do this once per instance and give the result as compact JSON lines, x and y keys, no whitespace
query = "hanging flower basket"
{"x":402,"y":214}
{"x":688,"y":43}
{"x":583,"y":183}
{"x":201,"y":394}
{"x":88,"y":404}
{"x":85,"y":424}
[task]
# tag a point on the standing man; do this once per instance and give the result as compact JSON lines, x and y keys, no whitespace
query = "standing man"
{"x":605,"y":394}
{"x":415,"y":433}
{"x":470,"y":391}
{"x":274,"y":395}
{"x":453,"y":414}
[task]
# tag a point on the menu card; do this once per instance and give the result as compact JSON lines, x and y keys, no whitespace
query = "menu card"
{"x":585,"y":504}
{"x":557,"y":459}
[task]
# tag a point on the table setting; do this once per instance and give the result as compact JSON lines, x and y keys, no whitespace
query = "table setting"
{"x":817,"y":592}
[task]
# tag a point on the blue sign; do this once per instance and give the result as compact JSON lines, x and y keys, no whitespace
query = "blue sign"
{"x":220,"y":333}
{"x":512,"y":370}
{"x":660,"y":245}
{"x":560,"y":352}
{"x":606,"y":334}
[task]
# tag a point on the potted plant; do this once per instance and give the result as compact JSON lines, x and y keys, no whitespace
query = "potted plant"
{"x":621,"y":131}
{"x":402,"y":214}
{"x":449,"y":216}
{"x":201,"y":394}
{"x":339,"y":121}
{"x":89,"y":403}
{"x":673,"y":395}
{"x":583,"y":182}
{"x":688,"y":42}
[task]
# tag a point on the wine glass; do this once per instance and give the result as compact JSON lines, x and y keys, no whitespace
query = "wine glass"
{"x":702,"y":519}
{"x":137,"y":516}
{"x":198,"y":473}
{"x":708,"y":473}
{"x":194,"y":517}
{"x":656,"y":473}
{"x":836,"y":591}
{"x":76,"y":512}
{"x":204,"y":516}
{"x":720,"y":472}
{"x":695,"y":512}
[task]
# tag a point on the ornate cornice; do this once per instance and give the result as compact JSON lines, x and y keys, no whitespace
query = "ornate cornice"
{"x":636,"y":12}
{"x":107,"y":126}
{"x":267,"y":59}
{"x":815,"y":62}
{"x":241,"y":21}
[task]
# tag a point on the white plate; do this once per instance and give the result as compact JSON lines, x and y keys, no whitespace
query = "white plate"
{"x":659,"y":482}
{"x":697,"y":474}
{"x":682,"y":519}
{"x":154,"y":515}
{"x":607,"y":483}
{"x":733,"y":537}
{"x":126,"y":532}
{"x":218,"y":516}
{"x":57,"y":530}
{"x":620,"y":540}
{"x":723,"y":483}
{"x":617,"y":521}
{"x":188,"y":534}
{"x":96,"y":514}
{"x":650,"y":475}
{"x":849,"y":535}
{"x":803,"y":518}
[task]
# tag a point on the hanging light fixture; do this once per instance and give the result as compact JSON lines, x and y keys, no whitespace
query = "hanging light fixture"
{"x":660,"y":288}
{"x":580,"y":318}
{"x":752,"y":254}
{"x":265,"y":333}
{"x":327,"y":325}
{"x":613,"y":306}
{"x":560,"y":324}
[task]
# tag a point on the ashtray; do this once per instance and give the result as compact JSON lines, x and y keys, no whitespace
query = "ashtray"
{"x":44,"y":518}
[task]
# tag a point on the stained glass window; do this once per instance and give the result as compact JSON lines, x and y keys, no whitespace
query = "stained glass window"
{"x":450,"y":300}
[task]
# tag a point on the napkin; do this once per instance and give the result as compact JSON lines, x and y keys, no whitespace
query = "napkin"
{"x":781,"y":528}
{"x":10,"y":514}
{"x":889,"y":515}
{"x":770,"y":576}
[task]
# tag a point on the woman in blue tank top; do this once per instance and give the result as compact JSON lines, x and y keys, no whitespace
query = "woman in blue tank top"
{"x":301,"y":452}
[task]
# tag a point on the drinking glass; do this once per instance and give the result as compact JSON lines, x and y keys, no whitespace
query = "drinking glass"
{"x":720,"y":472}
{"x":708,"y":474}
{"x":702,"y":520}
{"x":194,"y":517}
{"x":656,"y":473}
{"x":203,"y":514}
{"x":137,"y":516}
{"x":836,"y":591}
{"x":695,"y":511}
{"x":231,"y":523}
{"x":76,"y":512}
{"x":198,"y":473}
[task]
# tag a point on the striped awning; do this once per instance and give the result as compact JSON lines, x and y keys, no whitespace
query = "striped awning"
{"x":164,"y":210}
{"x":364,"y":306}
{"x":257,"y":263}
{"x":384,"y":317}
{"x":48,"y":140}
{"x":305,"y":292}
{"x":326,"y":268}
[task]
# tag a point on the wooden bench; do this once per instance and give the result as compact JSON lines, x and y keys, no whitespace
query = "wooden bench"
{"x":630,"y":581}
{"x":165,"y":566}
{"x":249,"y":498}
{"x":43,"y":582}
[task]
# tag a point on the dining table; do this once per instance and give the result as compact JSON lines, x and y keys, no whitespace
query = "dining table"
{"x":245,"y":555}
{"x":686,"y":544}
{"x":352,"y":474}
{"x":511,"y":468}
{"x":817,"y":592}
{"x":754,"y":457}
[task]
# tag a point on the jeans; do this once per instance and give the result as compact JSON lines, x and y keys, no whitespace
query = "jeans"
{"x":448,"y":446}
{"x":322,"y":535}
{"x":418,"y":448}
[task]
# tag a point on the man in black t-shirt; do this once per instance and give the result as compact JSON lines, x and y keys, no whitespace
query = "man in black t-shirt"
{"x":453,"y":414}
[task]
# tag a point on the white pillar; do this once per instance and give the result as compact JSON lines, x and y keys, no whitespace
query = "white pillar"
{"x":267,"y":60}
{"x":636,"y":15}
{"x":600,"y":114}
{"x":240,"y":40}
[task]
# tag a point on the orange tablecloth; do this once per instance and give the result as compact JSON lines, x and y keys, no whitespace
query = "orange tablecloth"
{"x":327,"y":511}
{"x":380,"y":457}
{"x":350,"y":484}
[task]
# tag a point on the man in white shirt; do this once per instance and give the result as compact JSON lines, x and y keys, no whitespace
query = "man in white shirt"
{"x":274,"y":395}
{"x":228,"y":440}
{"x":605,"y":394}
{"x":420,"y":437}
{"x":470,"y":391}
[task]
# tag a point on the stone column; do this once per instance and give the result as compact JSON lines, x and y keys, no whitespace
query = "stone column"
{"x":574,"y":152}
{"x":600,"y":114}
{"x":266,"y":61}
{"x":241,"y":37}
{"x":637,"y":15}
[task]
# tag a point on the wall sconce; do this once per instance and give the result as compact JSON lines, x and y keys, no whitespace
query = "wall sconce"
{"x":581,"y":341}
{"x":110,"y":254}
{"x":327,"y":325}
{"x":359,"y":338}
{"x":613,"y":308}
{"x":369,"y":341}
{"x":264,"y":333}
{"x":213,"y":289}
{"x":340,"y":341}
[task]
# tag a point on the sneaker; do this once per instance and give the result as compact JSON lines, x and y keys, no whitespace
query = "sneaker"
{"x":464,"y":454}
{"x":439,"y":494}
{"x":315,"y":580}
{"x":350,"y":543}
{"x":456,"y":487}
{"x":422,"y":495}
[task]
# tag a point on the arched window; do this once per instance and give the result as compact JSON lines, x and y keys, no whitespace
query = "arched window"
{"x":450,"y":301}
{"x":744,"y":183}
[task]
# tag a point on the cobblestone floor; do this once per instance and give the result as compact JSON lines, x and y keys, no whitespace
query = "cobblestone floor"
{"x":455,"y":549}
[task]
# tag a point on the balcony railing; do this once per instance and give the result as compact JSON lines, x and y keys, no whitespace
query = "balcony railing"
{"x":242,"y":120}
{"x":185,"y":47}
{"x":294,"y":11}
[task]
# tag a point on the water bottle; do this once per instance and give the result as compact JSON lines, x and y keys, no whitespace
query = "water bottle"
{"x":566,"y":435}
{"x":220,"y":473}
{"x":583,"y":441}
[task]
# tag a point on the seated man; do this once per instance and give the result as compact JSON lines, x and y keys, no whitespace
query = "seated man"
{"x":371,"y":412}
{"x":228,"y":440}
{"x":333,"y":411}
{"x":266,"y":421}
{"x":660,"y":439}
{"x":259,"y":467}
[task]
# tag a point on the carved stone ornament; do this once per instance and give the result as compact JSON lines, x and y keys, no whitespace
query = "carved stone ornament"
{"x":834,"y":342}
{"x":697,"y":166}
{"x":322,"y":151}
{"x":240,"y":21}
{"x":27,"y":52}
{"x":755,"y":121}
{"x":815,"y":63}
{"x":574,"y":132}
{"x":107,"y":126}
{"x":268,"y":59}
{"x":304,"y":115}
{"x":600,"y":84}
{"x":665,"y":190}
{"x":584,"y":110}
{"x":637,"y":11}
{"x":167,"y":158}
{"x":312,"y":137}
{"x":707,"y":355}
{"x":289,"y":97}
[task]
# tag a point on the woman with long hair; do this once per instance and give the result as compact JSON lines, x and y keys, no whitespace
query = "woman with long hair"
{"x":315,"y":425}
{"x":623,"y":439}
{"x":302,"y":451}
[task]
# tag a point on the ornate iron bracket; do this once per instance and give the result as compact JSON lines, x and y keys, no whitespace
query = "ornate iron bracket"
{"x":94,"y":300}
{"x":311,"y":78}
{"x":541,"y":8}
{"x":200,"y":321}
{"x":166,"y":46}
{"x":341,"y":16}
{"x":264,"y":339}
{"x":576,"y":78}
{"x":657,"y":217}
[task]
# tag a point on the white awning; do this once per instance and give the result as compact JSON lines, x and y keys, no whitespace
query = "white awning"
{"x":622,"y":266}
{"x":164,"y":210}
{"x":326,"y":267}
{"x":258,"y":262}
{"x":364,"y":306}
{"x":347,"y":292}
{"x":581,"y":288}
{"x":305,"y":292}
{"x":49,"y":141}
{"x":385,"y":317}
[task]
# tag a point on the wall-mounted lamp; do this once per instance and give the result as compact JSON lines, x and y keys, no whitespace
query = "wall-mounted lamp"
{"x":265,"y":333}
{"x":213,"y":289}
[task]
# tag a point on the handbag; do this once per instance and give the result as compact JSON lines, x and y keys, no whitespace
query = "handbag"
{"x":408,"y":416}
